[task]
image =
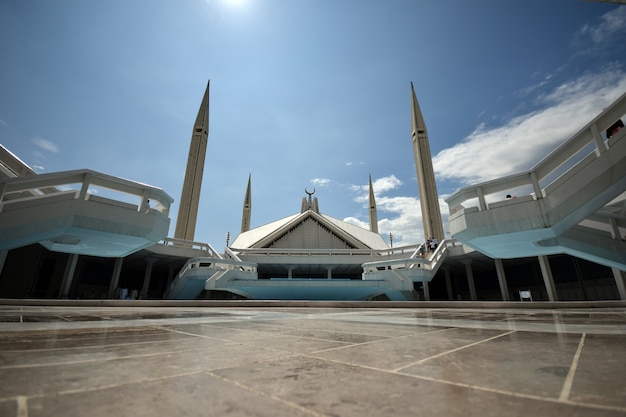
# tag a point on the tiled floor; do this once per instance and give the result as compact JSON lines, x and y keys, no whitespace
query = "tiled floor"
{"x":283,"y":361}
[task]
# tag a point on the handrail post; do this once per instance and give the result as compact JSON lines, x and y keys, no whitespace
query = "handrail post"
{"x":145,"y":202}
{"x":3,"y":187}
{"x":481,"y":199}
{"x":85,"y":186}
{"x":597,"y":138}
{"x":536,"y":187}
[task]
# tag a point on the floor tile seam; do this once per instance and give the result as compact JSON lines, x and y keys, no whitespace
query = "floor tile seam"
{"x":66,"y":363}
{"x":381,"y":336}
{"x":454,"y":350}
{"x":69,"y":339}
{"x":267,"y":395}
{"x":99,"y":316}
{"x":98,"y":325}
{"x":69,"y":333}
{"x":202,"y":336}
{"x":286,"y":329}
{"x":347,"y":344}
{"x":403,"y":325}
{"x":518,"y":317}
{"x":99,"y":387}
{"x":286,"y":333}
{"x":334,"y":331}
{"x":236,"y":342}
{"x":25,"y":351}
{"x":602,"y":329}
{"x":234,"y":328}
{"x":62,"y":317}
{"x":22,"y":406}
{"x":569,"y":379}
{"x":388,"y":339}
{"x":475,"y":387}
{"x":517,"y":394}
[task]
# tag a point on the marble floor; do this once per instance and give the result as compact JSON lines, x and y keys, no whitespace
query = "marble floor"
{"x":286,"y":361}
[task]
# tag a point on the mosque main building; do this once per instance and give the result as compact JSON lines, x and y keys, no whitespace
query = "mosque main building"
{"x":561,"y":239}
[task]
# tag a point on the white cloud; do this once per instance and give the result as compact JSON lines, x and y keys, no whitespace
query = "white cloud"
{"x":385,"y":184}
{"x":3,"y":123}
{"x":321,"y":182}
{"x":489,"y":153}
{"x":45,"y":144}
{"x":612,"y":23}
{"x":381,"y":185}
{"x":521,"y":143}
{"x":399,"y":215}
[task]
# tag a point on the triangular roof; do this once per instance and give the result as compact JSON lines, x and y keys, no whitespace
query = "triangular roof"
{"x":309,"y":230}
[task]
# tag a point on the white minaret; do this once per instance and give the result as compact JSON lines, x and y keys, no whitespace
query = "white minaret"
{"x":372,"y":210}
{"x":247,"y":208}
{"x":429,"y":199}
{"x":190,"y":196}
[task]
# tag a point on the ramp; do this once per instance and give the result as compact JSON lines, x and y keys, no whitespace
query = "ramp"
{"x":83,"y":212}
{"x":571,"y":202}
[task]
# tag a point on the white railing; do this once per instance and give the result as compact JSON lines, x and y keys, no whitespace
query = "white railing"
{"x":84,"y":181}
{"x":188,"y":244}
{"x":409,"y":250}
{"x":577,"y":151}
{"x":219,"y":264}
{"x":14,"y":166}
{"x":230,"y":254}
{"x":430,"y":263}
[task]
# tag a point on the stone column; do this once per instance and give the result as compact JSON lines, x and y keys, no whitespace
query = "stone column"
{"x":548,"y":279}
{"x":68,"y":275}
{"x":115,"y":279}
{"x":446,"y":271}
{"x":146,"y":278}
{"x":470,"y":280}
{"x":504,"y":288}
{"x":170,"y":276}
{"x":3,"y":258}
{"x":619,"y":280}
{"x":426,"y":291}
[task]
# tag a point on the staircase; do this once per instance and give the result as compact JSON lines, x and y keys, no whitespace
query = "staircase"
{"x":572,"y":202}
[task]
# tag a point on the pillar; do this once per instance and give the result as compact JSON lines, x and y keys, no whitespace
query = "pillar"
{"x":68,"y":275}
{"x":619,"y":280}
{"x":170,"y":276}
{"x":426,"y":291}
{"x":3,"y":258}
{"x":146,"y":279}
{"x":446,"y":271}
{"x":504,"y":288}
{"x":548,"y":279}
{"x":470,"y":280}
{"x":115,"y":278}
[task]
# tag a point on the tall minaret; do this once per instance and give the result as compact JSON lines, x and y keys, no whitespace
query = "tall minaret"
{"x":190,"y":196}
{"x":429,"y":199}
{"x":247,"y":209}
{"x":372,"y":210}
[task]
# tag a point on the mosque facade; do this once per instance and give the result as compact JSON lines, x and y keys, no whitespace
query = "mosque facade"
{"x":569,"y":254}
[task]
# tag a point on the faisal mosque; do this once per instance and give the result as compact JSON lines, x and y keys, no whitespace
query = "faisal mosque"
{"x":560,"y":239}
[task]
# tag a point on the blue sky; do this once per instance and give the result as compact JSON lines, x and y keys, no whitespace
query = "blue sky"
{"x":304,"y":93}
